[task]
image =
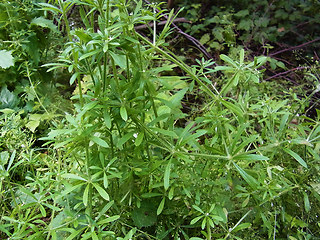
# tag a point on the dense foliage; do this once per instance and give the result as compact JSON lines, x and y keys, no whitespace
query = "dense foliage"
{"x":106,"y":133}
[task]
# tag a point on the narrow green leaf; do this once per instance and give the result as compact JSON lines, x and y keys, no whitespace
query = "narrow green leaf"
{"x":228,"y":60}
{"x":210,"y":222}
{"x":109,"y":219}
{"x":307,"y":206}
{"x":150,"y":195}
{"x":123,"y":113}
{"x":139,"y":139}
{"x":161,"y":205}
{"x":166,"y":179}
{"x":124,"y":139}
{"x":75,"y":234}
{"x":296,"y":157}
{"x":101,"y":191}
{"x":74,"y":77}
{"x":69,"y":190}
{"x":241,"y":56}
{"x":193,"y":221}
{"x":13,"y":155}
{"x":47,"y":6}
{"x":213,"y":206}
{"x":171,"y":192}
{"x":42,"y":210}
{"x":105,"y":209}
{"x":197,"y":208}
{"x":250,"y":157}
{"x":217,"y":218}
{"x":107,"y":119}
{"x":99,"y":141}
{"x":241,"y":227}
{"x":86,"y":55}
{"x":204,"y":222}
{"x":105,"y":181}
{"x":86,"y":195}
{"x":233,"y":108}
{"x":253,"y":183}
{"x":73,"y":176}
{"x":94,"y":236}
{"x":165,"y":132}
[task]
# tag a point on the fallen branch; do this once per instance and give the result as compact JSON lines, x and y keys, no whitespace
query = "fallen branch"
{"x":283,"y":73}
{"x":295,"y":47}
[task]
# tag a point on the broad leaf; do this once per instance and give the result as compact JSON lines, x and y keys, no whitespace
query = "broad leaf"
{"x":6,"y":59}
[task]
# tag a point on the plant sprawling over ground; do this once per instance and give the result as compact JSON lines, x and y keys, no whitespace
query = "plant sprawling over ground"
{"x":108,"y":134}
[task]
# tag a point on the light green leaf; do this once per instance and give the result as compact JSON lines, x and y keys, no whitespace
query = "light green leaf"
{"x":123,"y":113}
{"x":166,"y":178}
{"x":165,"y":132}
{"x":218,"y":218}
{"x":72,"y":176}
{"x":109,"y":219}
{"x":45,"y":23}
{"x":86,"y":195}
{"x":193,"y":221}
{"x":233,"y":108}
{"x":105,"y":180}
{"x":101,"y":191}
{"x":241,"y":227}
{"x":6,"y":59}
{"x":241,"y":56}
{"x":94,"y":236}
{"x":99,"y":141}
{"x":161,"y":205}
{"x":139,"y":139}
{"x":150,"y":195}
{"x":74,"y":77}
{"x":119,"y":60}
{"x":86,"y":55}
{"x":107,"y":119}
{"x":253,"y":183}
{"x":197,"y":208}
{"x":204,"y":222}
{"x":307,"y":206}
{"x":47,"y":6}
{"x":228,"y":60}
{"x":32,"y":125}
{"x":210,"y":222}
{"x":171,"y":192}
{"x":75,"y":234}
{"x":296,"y":157}
{"x":124,"y":139}
{"x":205,"y":38}
{"x":251,"y":157}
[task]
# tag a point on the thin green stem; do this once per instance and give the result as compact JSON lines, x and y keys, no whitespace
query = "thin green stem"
{"x":208,"y":230}
{"x":34,"y":91}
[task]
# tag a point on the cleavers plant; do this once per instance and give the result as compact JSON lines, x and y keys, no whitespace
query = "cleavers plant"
{"x":127,"y":163}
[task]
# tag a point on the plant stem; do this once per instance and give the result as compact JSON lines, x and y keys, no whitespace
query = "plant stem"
{"x":208,"y":231}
